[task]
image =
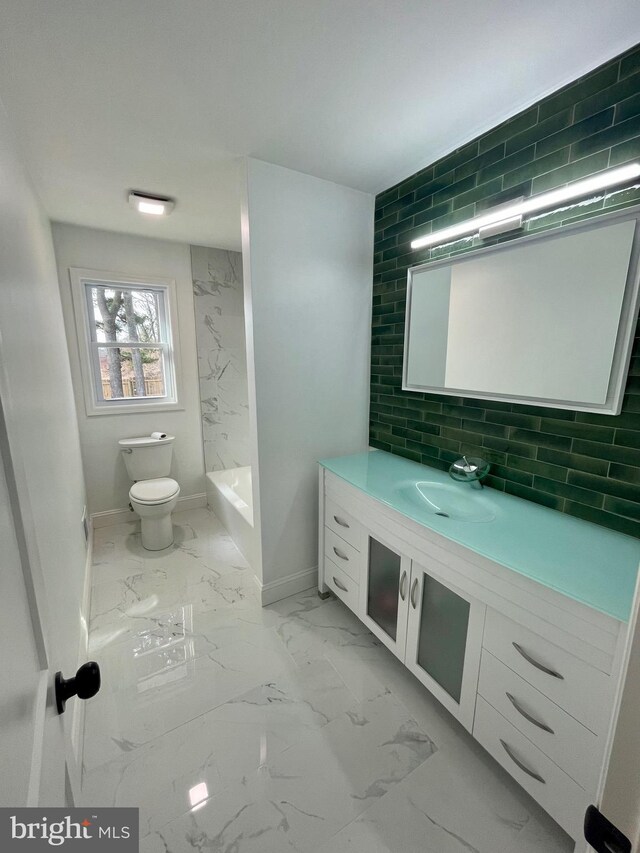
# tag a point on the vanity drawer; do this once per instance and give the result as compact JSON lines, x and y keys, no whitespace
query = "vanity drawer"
{"x":583,"y":691}
{"x":342,"y":554}
{"x":556,"y":792}
{"x":568,"y":743}
{"x":340,"y":584}
{"x":342,"y":523}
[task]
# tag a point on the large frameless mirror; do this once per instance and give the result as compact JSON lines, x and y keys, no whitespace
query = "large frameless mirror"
{"x":547,"y":320}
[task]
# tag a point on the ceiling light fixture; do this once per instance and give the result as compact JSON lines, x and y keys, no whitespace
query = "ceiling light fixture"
{"x":154,"y":205}
{"x":554,"y":198}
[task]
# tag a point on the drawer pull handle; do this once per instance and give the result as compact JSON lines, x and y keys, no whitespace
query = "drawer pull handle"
{"x":519,"y":763}
{"x":536,"y":663}
{"x":339,"y":584}
{"x":339,"y":553}
{"x":403,"y":586}
{"x":527,"y":716}
{"x":414,"y":588}
{"x":340,"y":521}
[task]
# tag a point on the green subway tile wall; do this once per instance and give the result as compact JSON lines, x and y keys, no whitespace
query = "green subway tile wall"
{"x":583,"y":464}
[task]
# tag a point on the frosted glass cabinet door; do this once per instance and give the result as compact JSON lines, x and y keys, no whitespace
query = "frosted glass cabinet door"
{"x":385,"y":594}
{"x":444,"y":639}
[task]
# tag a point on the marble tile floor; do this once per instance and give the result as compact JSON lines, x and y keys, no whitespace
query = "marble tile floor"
{"x":237,"y":728}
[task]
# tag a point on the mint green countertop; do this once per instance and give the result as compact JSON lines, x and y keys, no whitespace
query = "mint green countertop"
{"x":588,"y":563}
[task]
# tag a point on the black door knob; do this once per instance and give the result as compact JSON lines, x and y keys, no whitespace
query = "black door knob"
{"x":84,"y":684}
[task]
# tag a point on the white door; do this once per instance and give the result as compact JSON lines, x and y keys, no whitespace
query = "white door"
{"x":39,"y":767}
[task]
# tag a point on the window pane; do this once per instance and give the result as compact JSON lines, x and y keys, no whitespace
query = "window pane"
{"x":124,"y":314}
{"x":131,"y":372}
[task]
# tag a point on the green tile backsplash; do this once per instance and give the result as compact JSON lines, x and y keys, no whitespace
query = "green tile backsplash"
{"x":587,"y":465}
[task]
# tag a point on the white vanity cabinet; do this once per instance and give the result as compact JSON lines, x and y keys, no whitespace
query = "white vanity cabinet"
{"x":434,"y":627}
{"x":533,"y":674}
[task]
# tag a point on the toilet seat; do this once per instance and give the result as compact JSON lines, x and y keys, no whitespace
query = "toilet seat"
{"x":156,"y":491}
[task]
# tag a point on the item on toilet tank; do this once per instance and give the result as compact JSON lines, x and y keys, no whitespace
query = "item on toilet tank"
{"x":154,"y":494}
{"x":158,"y":435}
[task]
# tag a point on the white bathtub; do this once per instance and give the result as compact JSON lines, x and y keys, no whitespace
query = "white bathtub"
{"x":229,"y":496}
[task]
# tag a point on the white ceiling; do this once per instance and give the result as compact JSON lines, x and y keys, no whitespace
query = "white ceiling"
{"x":168,"y":95}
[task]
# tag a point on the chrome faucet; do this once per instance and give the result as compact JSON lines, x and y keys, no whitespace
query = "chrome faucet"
{"x":469,"y":470}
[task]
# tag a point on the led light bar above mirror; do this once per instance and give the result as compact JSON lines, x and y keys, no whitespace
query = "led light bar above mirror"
{"x":544,"y":201}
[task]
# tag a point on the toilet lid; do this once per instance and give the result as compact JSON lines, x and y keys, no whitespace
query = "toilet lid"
{"x":154,"y":491}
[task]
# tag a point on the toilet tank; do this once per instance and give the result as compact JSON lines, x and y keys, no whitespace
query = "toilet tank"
{"x":147,"y":457}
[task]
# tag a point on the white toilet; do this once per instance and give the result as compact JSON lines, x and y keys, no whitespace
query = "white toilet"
{"x":153,"y":495}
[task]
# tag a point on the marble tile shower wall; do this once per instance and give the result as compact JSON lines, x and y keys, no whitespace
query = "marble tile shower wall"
{"x":222,"y":367}
{"x":587,"y":465}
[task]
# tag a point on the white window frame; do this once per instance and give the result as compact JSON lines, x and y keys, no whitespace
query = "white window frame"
{"x":81,"y":280}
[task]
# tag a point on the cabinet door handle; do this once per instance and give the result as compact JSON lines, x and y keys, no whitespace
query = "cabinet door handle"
{"x":340,"y":521}
{"x":536,"y":663}
{"x":528,"y":716}
{"x":403,"y":586}
{"x":340,"y":554}
{"x":414,"y":587}
{"x":339,"y":584}
{"x":519,"y":763}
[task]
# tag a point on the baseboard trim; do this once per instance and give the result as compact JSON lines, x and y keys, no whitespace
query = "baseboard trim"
{"x":120,"y":516}
{"x":273,"y":591}
{"x":192,"y":502}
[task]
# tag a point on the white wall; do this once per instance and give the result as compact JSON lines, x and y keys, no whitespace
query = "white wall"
{"x":106,"y":477}
{"x":39,"y":405}
{"x":308,"y":253}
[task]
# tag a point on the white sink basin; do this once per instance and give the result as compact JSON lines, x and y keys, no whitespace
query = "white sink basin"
{"x":458,"y":502}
